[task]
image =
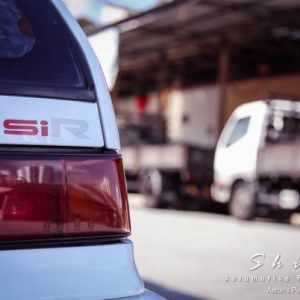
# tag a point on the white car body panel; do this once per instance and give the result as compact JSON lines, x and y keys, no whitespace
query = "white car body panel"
{"x":65,"y":119}
{"x":106,"y":110}
{"x":81,"y":273}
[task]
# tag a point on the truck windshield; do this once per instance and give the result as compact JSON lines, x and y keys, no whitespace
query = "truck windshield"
{"x":240,"y":129}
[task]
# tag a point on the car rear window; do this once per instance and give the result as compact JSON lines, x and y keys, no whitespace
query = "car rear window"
{"x":35,"y":50}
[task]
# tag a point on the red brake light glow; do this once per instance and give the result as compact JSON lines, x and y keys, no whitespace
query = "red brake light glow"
{"x":62,"y":196}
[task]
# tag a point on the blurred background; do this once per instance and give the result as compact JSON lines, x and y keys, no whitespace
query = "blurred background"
{"x":206,"y":94}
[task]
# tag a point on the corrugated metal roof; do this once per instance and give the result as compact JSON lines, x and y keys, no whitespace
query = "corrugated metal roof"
{"x":184,"y":38}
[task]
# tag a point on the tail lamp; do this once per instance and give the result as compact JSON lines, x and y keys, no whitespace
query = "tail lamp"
{"x":57,"y":196}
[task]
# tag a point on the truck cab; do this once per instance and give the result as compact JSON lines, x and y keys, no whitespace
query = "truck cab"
{"x":254,"y":164}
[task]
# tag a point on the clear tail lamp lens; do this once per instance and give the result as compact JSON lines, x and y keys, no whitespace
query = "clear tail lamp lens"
{"x":62,"y":196}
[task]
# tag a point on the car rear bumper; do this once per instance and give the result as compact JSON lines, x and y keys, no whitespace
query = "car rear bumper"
{"x":147,"y":295}
{"x":69,"y":273}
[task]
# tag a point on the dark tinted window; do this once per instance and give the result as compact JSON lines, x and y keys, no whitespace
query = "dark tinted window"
{"x":34,"y":48}
{"x":239,"y":130}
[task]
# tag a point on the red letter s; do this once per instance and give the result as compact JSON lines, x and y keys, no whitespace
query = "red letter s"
{"x":20,"y":127}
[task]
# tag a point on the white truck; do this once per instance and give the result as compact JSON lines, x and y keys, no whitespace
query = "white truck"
{"x":175,"y":168}
{"x":257,"y":160}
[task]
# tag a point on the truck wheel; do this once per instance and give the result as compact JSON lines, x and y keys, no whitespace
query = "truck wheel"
{"x":242,"y":204}
{"x":150,"y":185}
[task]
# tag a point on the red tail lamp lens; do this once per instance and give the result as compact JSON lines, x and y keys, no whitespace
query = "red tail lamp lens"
{"x":56,"y":196}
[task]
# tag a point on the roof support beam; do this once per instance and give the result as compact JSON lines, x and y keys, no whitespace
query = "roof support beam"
{"x":224,"y":68}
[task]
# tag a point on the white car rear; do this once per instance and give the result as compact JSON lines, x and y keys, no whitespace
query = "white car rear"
{"x":64,"y":217}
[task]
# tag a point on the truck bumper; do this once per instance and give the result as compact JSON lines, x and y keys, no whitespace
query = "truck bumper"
{"x":220,"y":193}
